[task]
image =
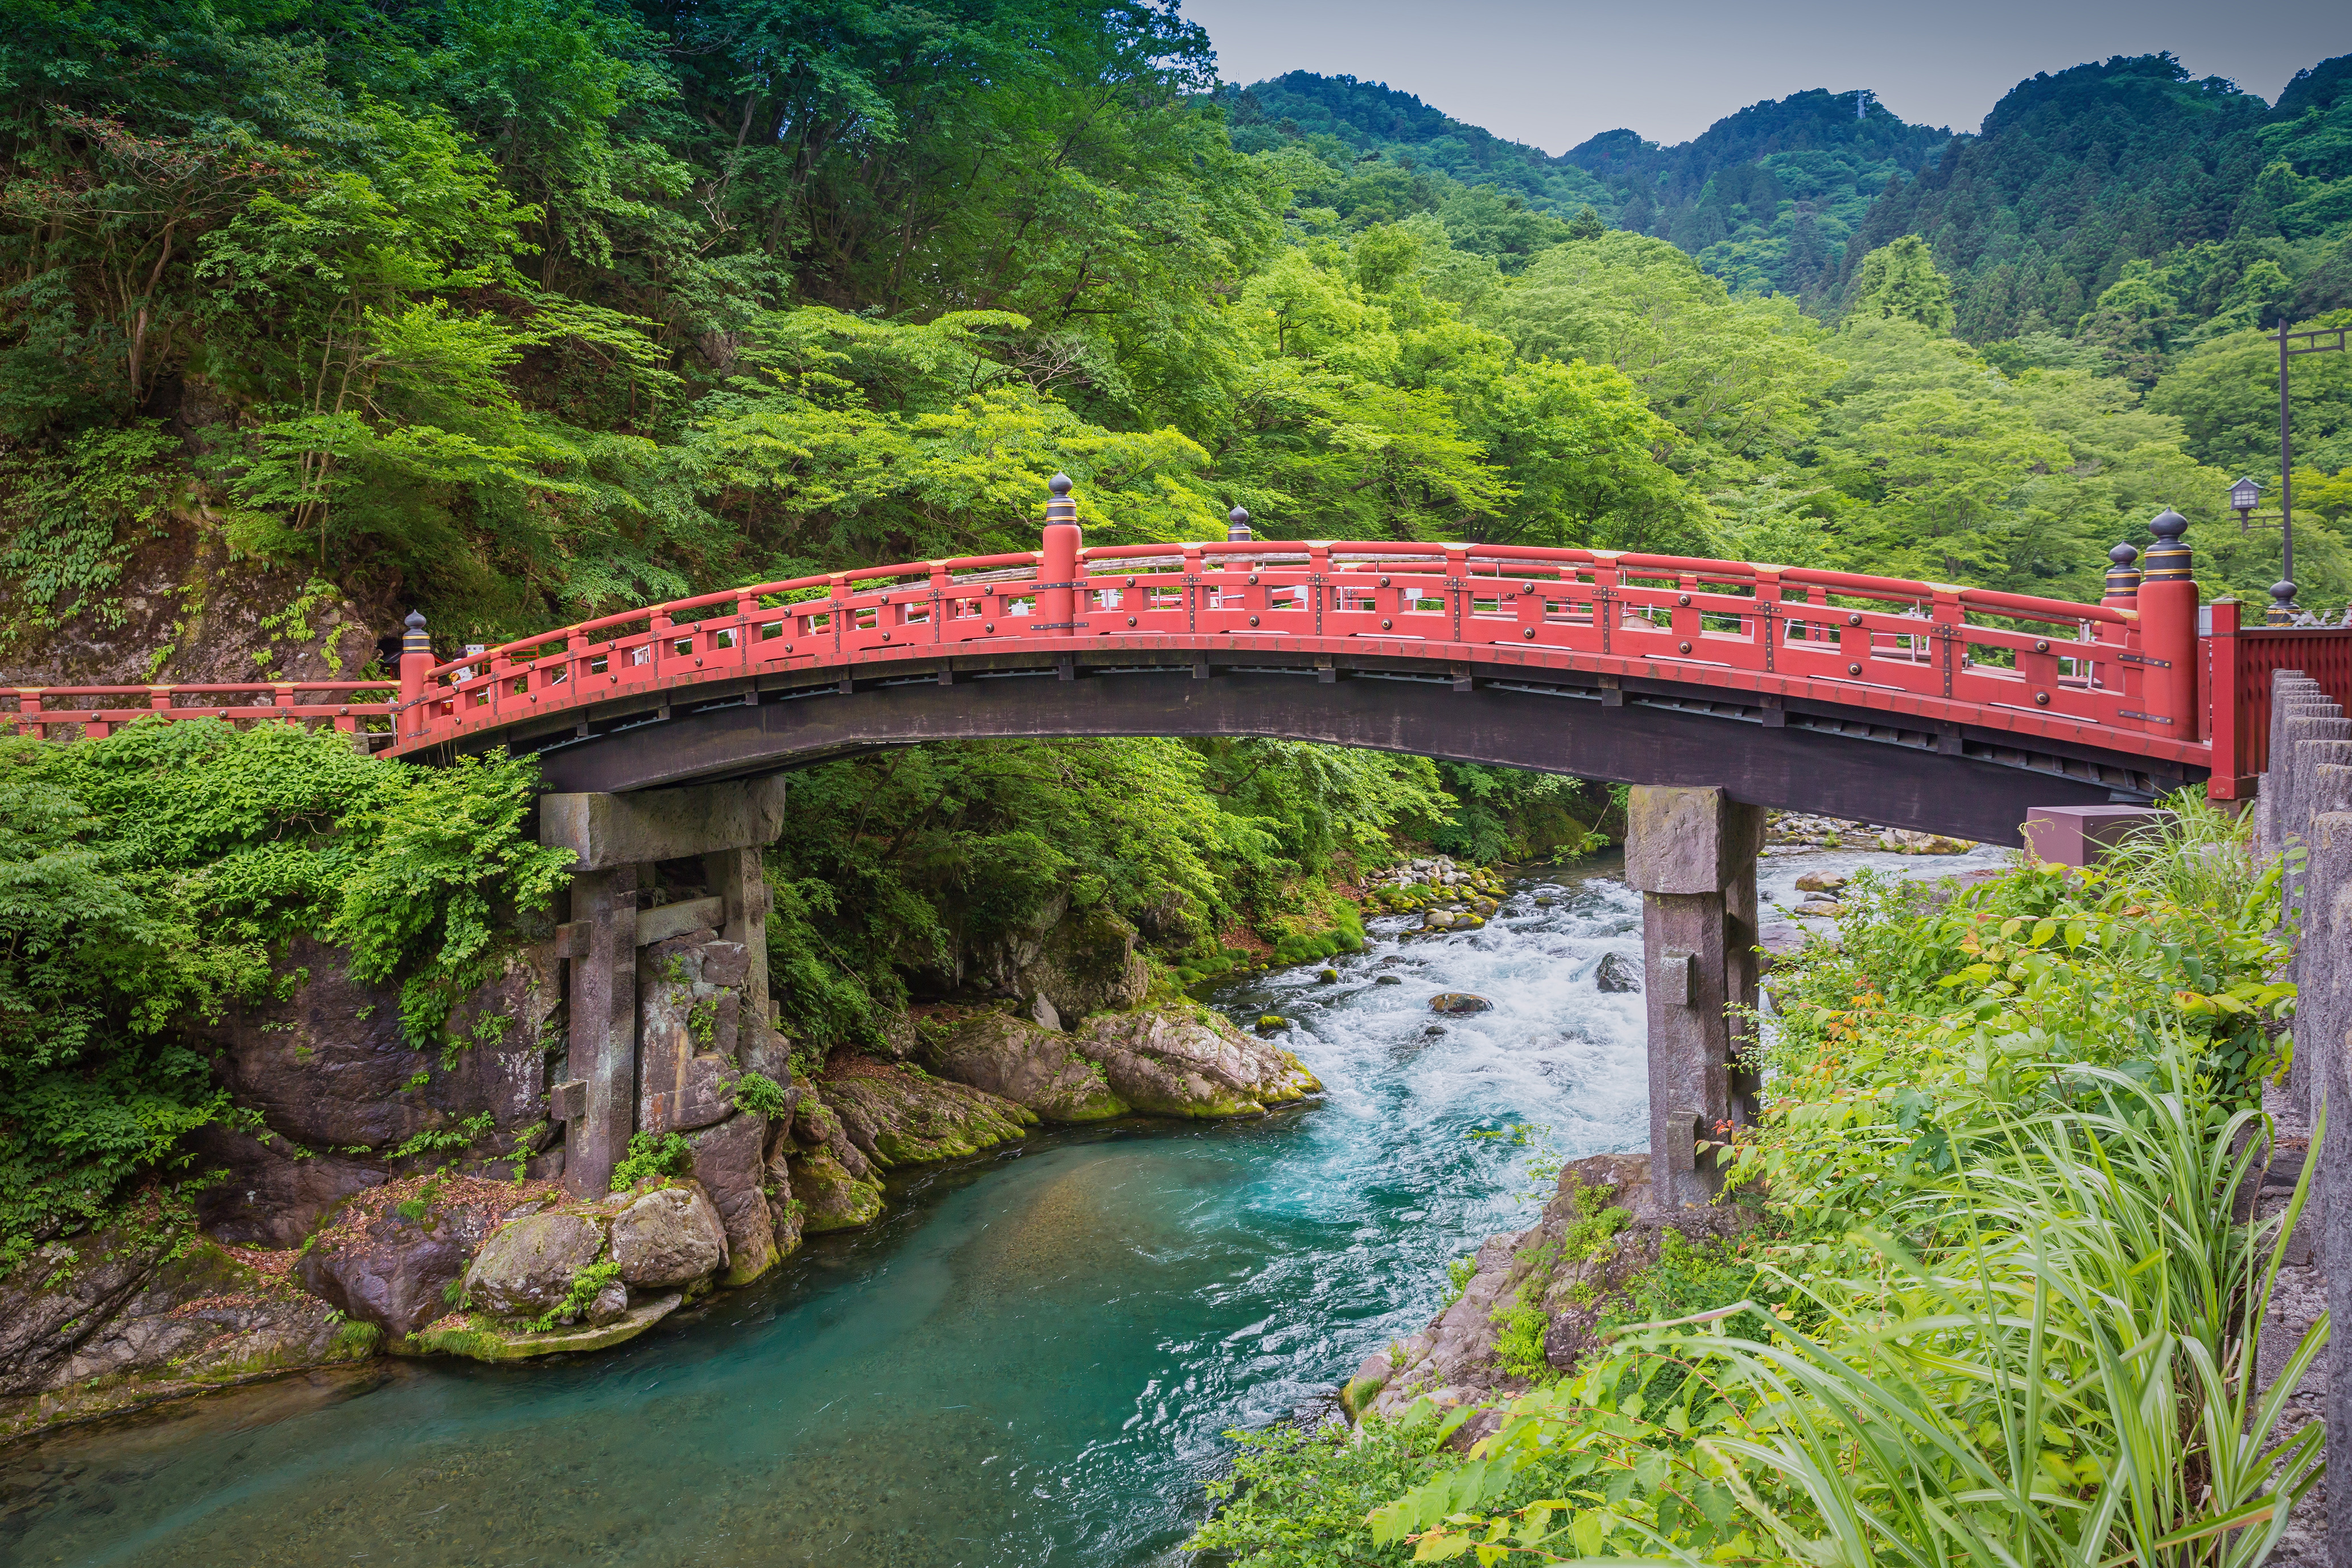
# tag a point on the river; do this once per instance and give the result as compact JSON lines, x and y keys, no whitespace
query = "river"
{"x":1032,"y":1361}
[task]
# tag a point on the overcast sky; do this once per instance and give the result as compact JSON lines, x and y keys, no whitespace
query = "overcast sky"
{"x":1555,"y":73}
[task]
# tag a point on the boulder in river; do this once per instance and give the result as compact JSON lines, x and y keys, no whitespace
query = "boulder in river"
{"x":1388,"y":980}
{"x":528,"y":1266}
{"x":670,"y":1236}
{"x":1438,"y":920}
{"x":487,"y":1339}
{"x":1037,"y":1067}
{"x":1457,"y":1002}
{"x":1902,"y":841}
{"x":830,"y":1197}
{"x":730,"y":1161}
{"x":387,"y":1255}
{"x":898,"y":1115}
{"x":1616,"y":974}
{"x":1024,"y":1063}
{"x":1821,"y":882}
{"x":1180,"y":1062}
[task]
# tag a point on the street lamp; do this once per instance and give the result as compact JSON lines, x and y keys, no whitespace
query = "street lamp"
{"x":2244,"y":496}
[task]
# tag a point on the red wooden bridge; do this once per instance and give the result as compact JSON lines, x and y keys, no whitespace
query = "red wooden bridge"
{"x":1919,"y":704}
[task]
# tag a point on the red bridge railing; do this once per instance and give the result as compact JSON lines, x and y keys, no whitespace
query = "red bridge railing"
{"x":351,"y":706}
{"x":2130,"y":674}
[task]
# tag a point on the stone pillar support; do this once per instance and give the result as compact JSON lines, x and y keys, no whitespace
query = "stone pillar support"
{"x":598,"y":1102}
{"x":616,"y":840}
{"x":1691,"y":854}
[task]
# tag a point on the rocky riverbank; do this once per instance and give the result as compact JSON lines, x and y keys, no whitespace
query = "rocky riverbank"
{"x":372,"y":1199}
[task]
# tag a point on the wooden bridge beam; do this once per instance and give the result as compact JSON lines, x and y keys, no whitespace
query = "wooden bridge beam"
{"x":1691,"y":854}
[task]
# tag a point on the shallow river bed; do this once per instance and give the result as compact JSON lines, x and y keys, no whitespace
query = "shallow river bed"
{"x":1032,"y":1361}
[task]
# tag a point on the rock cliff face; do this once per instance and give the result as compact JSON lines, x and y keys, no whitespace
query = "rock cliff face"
{"x":118,"y":1318}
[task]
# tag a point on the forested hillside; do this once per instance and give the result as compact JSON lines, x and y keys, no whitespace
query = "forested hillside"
{"x":524,"y":311}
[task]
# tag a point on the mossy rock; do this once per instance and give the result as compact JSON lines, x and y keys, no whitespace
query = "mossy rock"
{"x":489,"y":1339}
{"x":835,"y":1199}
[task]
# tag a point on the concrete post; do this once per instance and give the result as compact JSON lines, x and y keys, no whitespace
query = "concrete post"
{"x":1691,"y":854}
{"x":598,"y":1105}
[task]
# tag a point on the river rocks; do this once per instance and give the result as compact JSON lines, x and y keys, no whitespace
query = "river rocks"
{"x":1440,"y":919}
{"x":1182,"y":1062}
{"x":830,"y":1197}
{"x":1272,"y":1023}
{"x":110,"y":1321}
{"x":1458,"y":1002}
{"x":487,"y":1339}
{"x":389,"y":1254}
{"x":1601,"y":1228}
{"x":527,"y":1266}
{"x":1902,"y":841}
{"x":670,"y":1236}
{"x":1616,"y":974}
{"x":1033,"y":1067}
{"x":902,"y":1116}
{"x":1821,"y":882}
{"x":731,"y":1162}
{"x":1388,"y":980}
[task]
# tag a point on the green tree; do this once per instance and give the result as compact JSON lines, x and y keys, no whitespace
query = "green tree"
{"x":1900,"y":282}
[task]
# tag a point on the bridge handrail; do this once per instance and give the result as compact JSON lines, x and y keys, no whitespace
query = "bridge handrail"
{"x":1944,"y":653}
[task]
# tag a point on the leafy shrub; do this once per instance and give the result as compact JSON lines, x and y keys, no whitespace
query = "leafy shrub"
{"x":652,"y":1156}
{"x":146,"y":881}
{"x":762,"y":1095}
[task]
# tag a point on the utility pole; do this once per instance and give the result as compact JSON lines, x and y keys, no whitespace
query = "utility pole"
{"x":2283,"y":595}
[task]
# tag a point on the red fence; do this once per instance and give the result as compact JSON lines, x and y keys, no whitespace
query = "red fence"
{"x":40,"y":710}
{"x":2133,"y":680}
{"x":2237,"y":682}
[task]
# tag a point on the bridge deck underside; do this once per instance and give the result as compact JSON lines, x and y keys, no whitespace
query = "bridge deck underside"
{"x":1794,"y":755}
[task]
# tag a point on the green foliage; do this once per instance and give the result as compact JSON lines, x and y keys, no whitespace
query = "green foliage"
{"x":1297,"y":1499}
{"x":584,"y":1288}
{"x":892,"y":870}
{"x":1899,"y":282}
{"x":1987,"y":1113}
{"x":762,"y":1095}
{"x":651,"y":1157}
{"x":146,"y":881}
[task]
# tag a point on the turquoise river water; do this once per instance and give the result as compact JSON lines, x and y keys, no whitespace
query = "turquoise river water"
{"x":1032,"y":1361}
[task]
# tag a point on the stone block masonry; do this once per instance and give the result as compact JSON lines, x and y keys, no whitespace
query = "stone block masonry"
{"x":668,"y":1002}
{"x":1691,"y":854}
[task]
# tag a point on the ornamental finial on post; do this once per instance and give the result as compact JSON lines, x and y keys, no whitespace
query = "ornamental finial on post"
{"x":1237,"y":528}
{"x":2122,"y":579}
{"x":2283,"y":611}
{"x":1057,"y":598}
{"x":2167,"y":560}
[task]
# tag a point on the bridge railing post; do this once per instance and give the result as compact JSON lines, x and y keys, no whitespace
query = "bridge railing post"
{"x":2168,"y":607}
{"x":415,"y":667}
{"x":1058,"y":602}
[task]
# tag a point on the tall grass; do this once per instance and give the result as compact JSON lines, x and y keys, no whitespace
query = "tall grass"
{"x":2198,"y":854}
{"x":2049,"y":1362}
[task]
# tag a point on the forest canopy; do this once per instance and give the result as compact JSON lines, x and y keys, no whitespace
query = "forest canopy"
{"x":526,"y":309}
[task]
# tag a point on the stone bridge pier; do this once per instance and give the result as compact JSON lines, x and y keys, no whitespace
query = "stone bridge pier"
{"x":1691,"y":854}
{"x":656,"y":1042}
